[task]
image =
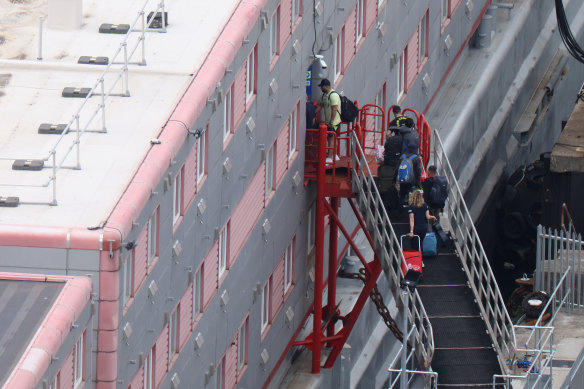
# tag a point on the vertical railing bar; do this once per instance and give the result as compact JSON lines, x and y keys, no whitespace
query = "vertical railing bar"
{"x":78,"y":132}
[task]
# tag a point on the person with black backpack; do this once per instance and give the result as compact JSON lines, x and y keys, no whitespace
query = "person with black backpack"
{"x":331,"y":103}
{"x":409,"y":172}
{"x":435,"y":191}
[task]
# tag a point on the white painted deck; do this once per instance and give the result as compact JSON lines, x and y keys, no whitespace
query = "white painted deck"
{"x":30,"y":94}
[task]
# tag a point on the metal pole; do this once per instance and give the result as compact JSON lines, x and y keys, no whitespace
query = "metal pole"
{"x":78,"y":143}
{"x":161,"y":5}
{"x":41,"y":21}
{"x":126,"y":82}
{"x":54,"y":178}
{"x":103,"y":127}
{"x":319,"y":255}
{"x":332,"y":268}
{"x":404,"y":377}
{"x":143,"y":38}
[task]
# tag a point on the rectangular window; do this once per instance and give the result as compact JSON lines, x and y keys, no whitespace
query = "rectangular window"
{"x":380,"y":101}
{"x":242,"y":346}
{"x":250,"y":74}
{"x":401,"y":73}
{"x":360,"y":22}
{"x":296,"y":10}
{"x":78,"y":359}
{"x":266,"y":298}
{"x":56,"y":381}
{"x":223,"y":250}
{"x":423,"y":39}
{"x":128,"y":274}
{"x":202,"y":154}
{"x":227,"y":114}
{"x":293,"y":132}
{"x":445,"y":10}
{"x":153,"y":236}
{"x":270,"y":170}
{"x":220,"y":374}
{"x":173,"y":333}
{"x":177,"y":196}
{"x":311,"y":220}
{"x":148,"y":371}
{"x":289,"y":265}
{"x":338,"y":53}
{"x":197,"y":292}
{"x":274,"y":34}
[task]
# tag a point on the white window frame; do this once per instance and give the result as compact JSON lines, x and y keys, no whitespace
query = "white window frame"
{"x":202,"y":155}
{"x":360,"y":21}
{"x":296,"y":10}
{"x":148,"y":373}
{"x":288,"y":266}
{"x":220,"y":374}
{"x":445,"y":12}
{"x":250,"y":74}
{"x":422,"y":38}
{"x":270,"y":169}
{"x":379,"y":100}
{"x":153,"y":236}
{"x":55,"y":381}
{"x":128,"y":274}
{"x":293,"y":132}
{"x":78,"y":361}
{"x":197,"y":293}
{"x":173,"y":333}
{"x":227,"y":114}
{"x":338,"y":54}
{"x":265,"y":308}
{"x":223,"y":249}
{"x":401,"y":74}
{"x":311,"y":232}
{"x":274,"y":34}
{"x":242,"y":346}
{"x":177,"y":197}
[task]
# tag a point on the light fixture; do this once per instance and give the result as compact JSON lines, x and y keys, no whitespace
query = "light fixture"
{"x":321,"y":61}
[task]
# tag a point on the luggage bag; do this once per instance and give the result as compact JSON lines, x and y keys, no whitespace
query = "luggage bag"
{"x":429,"y":248}
{"x":413,"y":257}
{"x":440,"y":234}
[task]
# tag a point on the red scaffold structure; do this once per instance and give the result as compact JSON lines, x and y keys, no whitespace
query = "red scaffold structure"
{"x":333,"y":182}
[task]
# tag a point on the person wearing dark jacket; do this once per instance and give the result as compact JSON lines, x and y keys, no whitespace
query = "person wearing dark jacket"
{"x":419,"y":215}
{"x":398,"y":117}
{"x":435,"y":208}
{"x":404,"y":187}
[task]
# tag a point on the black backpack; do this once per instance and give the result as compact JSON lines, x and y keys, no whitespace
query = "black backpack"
{"x":393,"y":150}
{"x":439,"y":191}
{"x":349,"y":110}
{"x":411,"y":140}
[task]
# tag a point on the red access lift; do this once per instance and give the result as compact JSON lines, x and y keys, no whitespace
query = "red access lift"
{"x":333,"y":182}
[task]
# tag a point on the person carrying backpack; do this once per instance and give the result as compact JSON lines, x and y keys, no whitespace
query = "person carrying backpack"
{"x":411,"y":138}
{"x":409,"y":173}
{"x":398,"y":117}
{"x":435,"y":191}
{"x":331,"y":103}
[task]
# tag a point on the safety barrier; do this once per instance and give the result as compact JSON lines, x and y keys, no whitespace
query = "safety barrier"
{"x":387,"y":247}
{"x":134,"y":39}
{"x":475,"y":263}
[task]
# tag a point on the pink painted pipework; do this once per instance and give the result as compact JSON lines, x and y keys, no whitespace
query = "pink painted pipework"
{"x":53,"y":330}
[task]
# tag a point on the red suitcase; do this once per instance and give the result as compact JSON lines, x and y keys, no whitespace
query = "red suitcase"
{"x":413,"y":257}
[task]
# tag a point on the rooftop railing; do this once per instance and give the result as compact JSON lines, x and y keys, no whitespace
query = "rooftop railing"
{"x":87,"y":114}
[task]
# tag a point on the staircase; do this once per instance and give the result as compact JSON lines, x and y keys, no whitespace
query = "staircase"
{"x":472,"y":334}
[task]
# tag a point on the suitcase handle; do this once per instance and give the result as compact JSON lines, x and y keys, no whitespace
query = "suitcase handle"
{"x":401,"y":241}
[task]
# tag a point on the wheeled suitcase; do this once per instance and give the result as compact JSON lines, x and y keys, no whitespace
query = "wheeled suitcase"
{"x":413,"y":257}
{"x":429,"y":245}
{"x":440,"y":234}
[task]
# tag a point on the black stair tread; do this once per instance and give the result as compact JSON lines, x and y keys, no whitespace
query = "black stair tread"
{"x":460,"y":332}
{"x":456,"y":300}
{"x":443,"y":270}
{"x":469,"y":366}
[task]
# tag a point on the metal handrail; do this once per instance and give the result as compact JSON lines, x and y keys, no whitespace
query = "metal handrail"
{"x":566,"y":212}
{"x":74,"y":125}
{"x":387,"y":246}
{"x":475,"y":263}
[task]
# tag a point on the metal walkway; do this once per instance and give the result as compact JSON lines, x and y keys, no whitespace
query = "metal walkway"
{"x":463,"y":352}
